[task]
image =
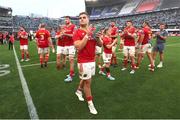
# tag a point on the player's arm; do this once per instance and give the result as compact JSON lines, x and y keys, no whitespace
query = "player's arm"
{"x":36,"y":39}
{"x":113,"y":36}
{"x":133,"y":35}
{"x":25,"y":36}
{"x":69,"y":35}
{"x":80,"y":44}
{"x":50,"y":43}
{"x":37,"y":44}
{"x":99,"y":39}
{"x":112,"y":44}
{"x":141,"y":39}
{"x":58,"y":36}
{"x":163,"y":37}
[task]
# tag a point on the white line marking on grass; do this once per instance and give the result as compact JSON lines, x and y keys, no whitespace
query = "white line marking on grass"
{"x":31,"y":108}
{"x":30,"y":65}
{"x":175,"y":44}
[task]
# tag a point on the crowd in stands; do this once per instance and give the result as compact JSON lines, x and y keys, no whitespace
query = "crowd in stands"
{"x":33,"y":23}
{"x":170,"y":17}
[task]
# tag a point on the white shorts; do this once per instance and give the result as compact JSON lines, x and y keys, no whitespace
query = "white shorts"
{"x":98,"y":50}
{"x":146,"y":48}
{"x":60,"y":50}
{"x":69,"y":50}
{"x":86,"y":70}
{"x":43,"y":50}
{"x":107,"y":57}
{"x":114,"y":48}
{"x":129,"y":50}
{"x":23,"y":47}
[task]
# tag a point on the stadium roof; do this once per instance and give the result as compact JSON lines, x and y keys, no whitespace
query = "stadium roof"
{"x":5,"y":8}
{"x":94,"y":3}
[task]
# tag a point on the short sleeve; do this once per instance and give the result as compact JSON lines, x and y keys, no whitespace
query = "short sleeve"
{"x":76,"y":36}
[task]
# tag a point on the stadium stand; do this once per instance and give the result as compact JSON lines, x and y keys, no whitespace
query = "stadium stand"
{"x":102,"y":13}
{"x":129,"y":7}
{"x":32,"y":23}
{"x":148,"y":5}
{"x":104,"y":8}
{"x":153,"y":11}
{"x":170,"y":17}
{"x":172,"y":4}
{"x":96,"y":12}
{"x":5,"y":19}
{"x":112,"y":10}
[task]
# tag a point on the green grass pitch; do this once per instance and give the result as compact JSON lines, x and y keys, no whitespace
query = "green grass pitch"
{"x":142,"y":95}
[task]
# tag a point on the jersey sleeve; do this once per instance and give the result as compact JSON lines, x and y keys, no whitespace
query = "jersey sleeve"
{"x":76,"y":36}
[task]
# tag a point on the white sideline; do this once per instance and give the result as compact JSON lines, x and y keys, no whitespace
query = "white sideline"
{"x":174,"y":44}
{"x":31,"y":108}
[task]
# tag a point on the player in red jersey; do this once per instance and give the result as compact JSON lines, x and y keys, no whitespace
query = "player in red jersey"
{"x":43,"y":43}
{"x":85,"y":44}
{"x":1,"y":38}
{"x":114,"y":33}
{"x":60,"y":48}
{"x":144,"y":45}
{"x":23,"y":37}
{"x":129,"y":45}
{"x":108,"y":43}
{"x":121,"y":45}
{"x":139,"y":33}
{"x":69,"y":48}
{"x":11,"y":41}
{"x":5,"y":38}
{"x":98,"y":49}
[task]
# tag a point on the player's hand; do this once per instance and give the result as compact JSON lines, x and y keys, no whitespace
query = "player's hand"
{"x":109,"y":46}
{"x":98,"y":34}
{"x":158,"y":33}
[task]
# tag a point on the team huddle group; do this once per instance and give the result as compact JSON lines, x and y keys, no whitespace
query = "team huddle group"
{"x":88,"y":42}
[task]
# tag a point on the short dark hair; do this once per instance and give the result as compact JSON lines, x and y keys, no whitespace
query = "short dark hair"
{"x":42,"y":25}
{"x":162,"y":23}
{"x":22,"y":26}
{"x":129,"y":21}
{"x":147,"y":23}
{"x":85,"y":13}
{"x":68,"y":17}
{"x":105,"y":30}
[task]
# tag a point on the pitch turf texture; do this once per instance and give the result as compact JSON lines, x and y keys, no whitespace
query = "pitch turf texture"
{"x":142,"y":95}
